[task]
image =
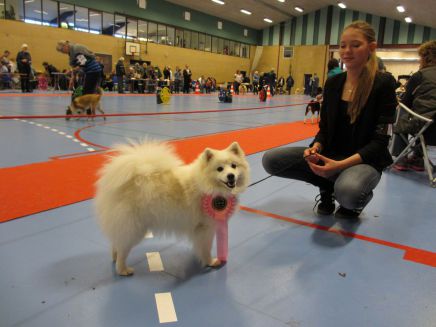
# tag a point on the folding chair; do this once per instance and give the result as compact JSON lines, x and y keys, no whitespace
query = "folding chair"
{"x":426,"y":136}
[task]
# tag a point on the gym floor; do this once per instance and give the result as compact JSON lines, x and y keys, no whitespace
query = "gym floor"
{"x":287,"y":266}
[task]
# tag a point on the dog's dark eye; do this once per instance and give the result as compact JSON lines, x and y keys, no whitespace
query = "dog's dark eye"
{"x":220,"y":169}
{"x":234,"y":166}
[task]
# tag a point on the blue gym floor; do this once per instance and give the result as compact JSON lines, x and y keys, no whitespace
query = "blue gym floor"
{"x":287,"y":267}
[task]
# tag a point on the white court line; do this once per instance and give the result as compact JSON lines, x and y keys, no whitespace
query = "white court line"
{"x":154,"y":261}
{"x":69,"y":136}
{"x":90,"y":149}
{"x":76,"y":140}
{"x":61,"y":133}
{"x":165,"y":307}
{"x":84,"y":144}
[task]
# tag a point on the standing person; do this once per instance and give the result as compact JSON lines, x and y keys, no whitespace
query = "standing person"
{"x":177,"y":79}
{"x":256,"y":78}
{"x":289,"y":84}
{"x":186,"y":79}
{"x":272,"y":81}
{"x":24,"y":62}
{"x":348,"y":154}
{"x":314,"y":84}
{"x":82,"y":58}
{"x":120,"y":71}
{"x":237,"y":80}
{"x":333,"y":67}
{"x":420,"y":96}
{"x":280,"y":84}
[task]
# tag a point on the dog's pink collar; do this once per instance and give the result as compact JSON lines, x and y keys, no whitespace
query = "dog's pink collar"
{"x":218,"y":207}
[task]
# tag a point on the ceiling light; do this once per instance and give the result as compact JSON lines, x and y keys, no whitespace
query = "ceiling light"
{"x":245,"y":12}
{"x":267,"y":20}
{"x":281,"y":0}
{"x":342,"y":5}
{"x":219,"y":2}
{"x":401,"y":9}
{"x":299,"y":9}
{"x":408,"y":19}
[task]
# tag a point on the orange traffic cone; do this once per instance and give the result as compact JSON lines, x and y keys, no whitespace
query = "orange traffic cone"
{"x":232,"y":91}
{"x":268,"y":92}
{"x":197,"y":88}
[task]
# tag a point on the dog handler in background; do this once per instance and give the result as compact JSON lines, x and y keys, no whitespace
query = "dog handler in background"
{"x":82,"y":58}
{"x":348,"y":154}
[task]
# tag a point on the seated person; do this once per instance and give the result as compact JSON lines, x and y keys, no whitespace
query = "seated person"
{"x":420,"y":96}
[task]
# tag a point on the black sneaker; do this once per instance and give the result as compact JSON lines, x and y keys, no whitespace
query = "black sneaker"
{"x":347,"y":213}
{"x":325,"y":202}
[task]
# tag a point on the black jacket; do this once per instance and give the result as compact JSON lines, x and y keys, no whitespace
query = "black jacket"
{"x":370,"y":135}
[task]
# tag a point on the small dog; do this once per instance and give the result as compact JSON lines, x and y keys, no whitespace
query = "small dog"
{"x":314,"y":107}
{"x":146,"y":187}
{"x":86,"y":104}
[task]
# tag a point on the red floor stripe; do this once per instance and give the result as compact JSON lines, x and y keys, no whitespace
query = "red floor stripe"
{"x":411,"y":254}
{"x":149,"y":113}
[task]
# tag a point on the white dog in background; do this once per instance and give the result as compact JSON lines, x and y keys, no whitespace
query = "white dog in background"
{"x":147,"y":187}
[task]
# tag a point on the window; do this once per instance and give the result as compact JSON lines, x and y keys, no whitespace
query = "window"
{"x":179,"y":38}
{"x":142,"y":30}
{"x":95,"y":19}
{"x":108,"y":24}
{"x":214,"y":45}
{"x":186,"y":39}
{"x":201,"y":41}
{"x":66,"y":15}
{"x":13,"y":9}
{"x":33,"y":12}
{"x":120,"y":26}
{"x":220,"y":46}
{"x":82,"y":23}
{"x":132,"y":28}
{"x":152,"y":32}
{"x":237,"y":49}
{"x":245,"y":51}
{"x":170,"y":35}
{"x":208,"y":43}
{"x":50,"y":13}
{"x":162,"y":34}
{"x":194,"y":40}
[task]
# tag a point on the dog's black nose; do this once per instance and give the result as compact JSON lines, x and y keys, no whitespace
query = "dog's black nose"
{"x":231,"y":177}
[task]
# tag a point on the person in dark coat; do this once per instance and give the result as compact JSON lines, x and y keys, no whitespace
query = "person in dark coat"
{"x":120,"y":71}
{"x":348,"y":154}
{"x":24,"y":65}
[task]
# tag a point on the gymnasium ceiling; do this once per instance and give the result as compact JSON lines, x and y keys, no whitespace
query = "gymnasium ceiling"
{"x":423,"y":12}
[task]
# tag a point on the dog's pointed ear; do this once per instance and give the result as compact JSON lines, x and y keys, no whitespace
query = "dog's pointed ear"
{"x":236,"y":149}
{"x":207,"y":154}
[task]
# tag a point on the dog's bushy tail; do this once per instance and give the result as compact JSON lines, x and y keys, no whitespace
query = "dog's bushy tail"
{"x":100,"y":90}
{"x":135,"y":160}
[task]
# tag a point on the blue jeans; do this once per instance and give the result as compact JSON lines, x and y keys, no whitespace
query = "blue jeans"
{"x":352,"y":187}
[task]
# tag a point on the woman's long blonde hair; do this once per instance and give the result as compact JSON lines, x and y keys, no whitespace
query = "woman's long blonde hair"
{"x":366,"y":78}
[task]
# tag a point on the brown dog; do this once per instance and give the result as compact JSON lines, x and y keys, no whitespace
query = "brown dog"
{"x":86,"y":104}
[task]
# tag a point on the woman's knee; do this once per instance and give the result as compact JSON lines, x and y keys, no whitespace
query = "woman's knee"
{"x":269,"y":162}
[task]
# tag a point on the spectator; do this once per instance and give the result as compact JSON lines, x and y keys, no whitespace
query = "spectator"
{"x":333,"y":67}
{"x":5,"y":61}
{"x":177,"y":79}
{"x":314,"y":84}
{"x":256,"y":78}
{"x":289,"y":84}
{"x":186,"y":79}
{"x":420,"y":96}
{"x":120,"y":71}
{"x":50,"y":69}
{"x":24,"y":62}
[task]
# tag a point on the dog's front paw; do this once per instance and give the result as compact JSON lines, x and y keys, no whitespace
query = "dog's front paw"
{"x":127,"y":271}
{"x":215,"y":263}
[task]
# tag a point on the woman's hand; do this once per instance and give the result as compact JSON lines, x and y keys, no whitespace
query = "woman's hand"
{"x":311,"y":154}
{"x":328,"y":168}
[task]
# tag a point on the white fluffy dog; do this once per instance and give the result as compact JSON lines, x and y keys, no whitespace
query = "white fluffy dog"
{"x":147,"y":187}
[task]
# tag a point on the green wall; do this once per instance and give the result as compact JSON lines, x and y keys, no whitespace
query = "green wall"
{"x":310,"y":29}
{"x":161,"y":11}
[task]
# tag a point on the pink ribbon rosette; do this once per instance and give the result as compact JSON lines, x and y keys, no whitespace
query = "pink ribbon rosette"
{"x":220,"y":208}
